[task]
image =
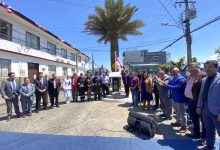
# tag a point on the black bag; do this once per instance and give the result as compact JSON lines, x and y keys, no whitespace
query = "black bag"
{"x":143,"y":123}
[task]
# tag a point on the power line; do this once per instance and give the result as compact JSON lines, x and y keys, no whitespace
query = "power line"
{"x":168,"y":12}
{"x":194,"y":30}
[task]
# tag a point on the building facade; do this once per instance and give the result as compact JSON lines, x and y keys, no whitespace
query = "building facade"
{"x":27,"y":48}
{"x":144,"y":57}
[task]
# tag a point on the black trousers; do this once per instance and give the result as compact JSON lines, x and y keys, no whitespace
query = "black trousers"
{"x":9,"y":103}
{"x":157,"y":99}
{"x":97,"y":93}
{"x":82,"y":91}
{"x":126,"y":86}
{"x":105,"y":89}
{"x":54,"y":95}
{"x":38,"y":99}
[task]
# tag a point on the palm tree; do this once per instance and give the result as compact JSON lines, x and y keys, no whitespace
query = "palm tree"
{"x":113,"y":23}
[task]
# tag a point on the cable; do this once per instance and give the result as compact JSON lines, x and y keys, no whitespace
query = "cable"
{"x":194,"y":30}
{"x":168,"y":12}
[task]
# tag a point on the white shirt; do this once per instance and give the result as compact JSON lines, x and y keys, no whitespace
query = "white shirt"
{"x":67,"y":84}
{"x":188,"y":89}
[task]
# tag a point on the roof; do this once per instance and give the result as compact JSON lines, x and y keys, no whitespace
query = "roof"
{"x":13,"y":11}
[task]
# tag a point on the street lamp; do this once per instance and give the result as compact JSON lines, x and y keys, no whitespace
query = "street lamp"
{"x":171,"y":25}
{"x":188,"y":37}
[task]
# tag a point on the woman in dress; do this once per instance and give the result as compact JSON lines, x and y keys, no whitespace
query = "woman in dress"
{"x":67,"y":88}
{"x":146,"y":91}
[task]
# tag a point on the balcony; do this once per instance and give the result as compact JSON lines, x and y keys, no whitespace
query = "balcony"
{"x":17,"y":44}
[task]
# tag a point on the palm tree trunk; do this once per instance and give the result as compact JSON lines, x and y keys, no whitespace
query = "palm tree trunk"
{"x":114,"y":48}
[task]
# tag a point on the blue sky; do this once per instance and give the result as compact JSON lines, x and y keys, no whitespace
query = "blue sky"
{"x":65,"y":18}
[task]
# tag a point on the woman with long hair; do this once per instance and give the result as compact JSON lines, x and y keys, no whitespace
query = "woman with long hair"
{"x":146,"y":91}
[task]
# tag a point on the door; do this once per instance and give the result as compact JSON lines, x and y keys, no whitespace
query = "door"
{"x":33,"y":70}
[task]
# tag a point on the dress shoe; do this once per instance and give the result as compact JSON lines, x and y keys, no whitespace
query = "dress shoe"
{"x":8,"y":118}
{"x":29,"y":114}
{"x":168,"y":118}
{"x":162,"y":115}
{"x":57,"y":106}
{"x":205,"y":148}
{"x":175,"y":124}
{"x":45,"y":108}
{"x":182,"y":130}
{"x":202,"y":142}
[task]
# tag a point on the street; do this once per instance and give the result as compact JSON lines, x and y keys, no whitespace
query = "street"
{"x":106,"y":118}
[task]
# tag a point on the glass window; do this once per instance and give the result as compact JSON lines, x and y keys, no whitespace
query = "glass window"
{"x":51,"y":69}
{"x":63,"y":53}
{"x":32,"y":41}
{"x":79,"y":59}
{"x":5,"y":30}
{"x":65,"y":71}
{"x":72,"y":56}
{"x":51,"y":48}
{"x":72,"y":70}
{"x":5,"y":67}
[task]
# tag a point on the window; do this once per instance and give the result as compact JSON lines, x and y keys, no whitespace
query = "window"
{"x":79,"y":59}
{"x":64,"y":71}
{"x":72,"y":57}
{"x":51,"y":48}
{"x":5,"y":67}
{"x":72,"y":70}
{"x":32,"y":41}
{"x":5,"y":30}
{"x":51,"y":69}
{"x":63,"y":53}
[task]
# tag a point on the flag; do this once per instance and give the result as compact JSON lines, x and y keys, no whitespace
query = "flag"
{"x":118,"y":61}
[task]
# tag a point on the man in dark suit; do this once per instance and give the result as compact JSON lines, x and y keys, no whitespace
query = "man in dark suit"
{"x":126,"y":81}
{"x":10,"y":92}
{"x":54,"y":90}
{"x":41,"y":91}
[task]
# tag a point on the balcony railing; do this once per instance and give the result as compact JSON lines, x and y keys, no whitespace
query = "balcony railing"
{"x":21,"y":40}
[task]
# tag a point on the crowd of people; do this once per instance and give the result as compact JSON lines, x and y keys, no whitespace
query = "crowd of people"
{"x":44,"y":88}
{"x":196,"y":96}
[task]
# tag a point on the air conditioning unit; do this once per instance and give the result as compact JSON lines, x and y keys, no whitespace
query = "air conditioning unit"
{"x":191,"y":13}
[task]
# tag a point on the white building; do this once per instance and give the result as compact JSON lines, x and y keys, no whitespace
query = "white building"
{"x":26,"y":48}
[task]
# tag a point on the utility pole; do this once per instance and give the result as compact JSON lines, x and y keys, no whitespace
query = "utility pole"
{"x":188,"y":35}
{"x":93,"y":69}
{"x":187,"y":30}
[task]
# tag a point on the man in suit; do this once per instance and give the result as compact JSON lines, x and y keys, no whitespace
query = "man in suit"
{"x":97,"y":81}
{"x":192,"y":89}
{"x":54,"y":90}
{"x":126,"y":82}
{"x":209,"y":103}
{"x":10,"y":92}
{"x":27,"y":91}
{"x":41,"y":85}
